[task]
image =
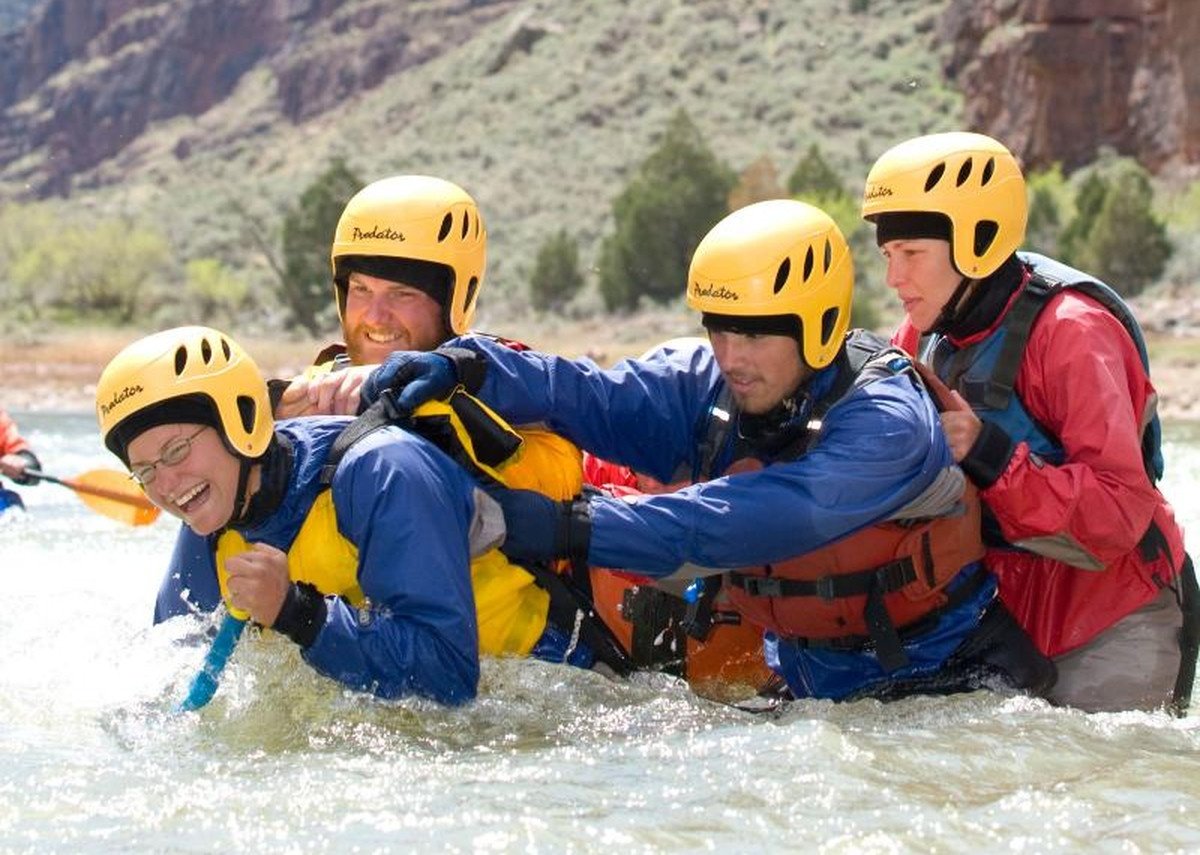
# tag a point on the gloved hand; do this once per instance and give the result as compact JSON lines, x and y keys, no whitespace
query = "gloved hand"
{"x":418,"y":376}
{"x":414,"y":376}
{"x":541,"y":529}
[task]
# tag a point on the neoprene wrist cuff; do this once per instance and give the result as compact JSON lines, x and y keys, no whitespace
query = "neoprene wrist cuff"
{"x":302,"y":614}
{"x":989,"y":455}
{"x":575,"y":531}
{"x":469,"y":366}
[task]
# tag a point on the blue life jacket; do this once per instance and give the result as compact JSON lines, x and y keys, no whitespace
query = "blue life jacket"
{"x":985,"y":373}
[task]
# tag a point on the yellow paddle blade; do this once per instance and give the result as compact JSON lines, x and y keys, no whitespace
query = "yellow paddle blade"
{"x":112,"y":494}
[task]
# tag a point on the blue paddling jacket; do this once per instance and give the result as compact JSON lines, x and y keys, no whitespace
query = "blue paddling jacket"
{"x":877,"y":450}
{"x":387,"y":542}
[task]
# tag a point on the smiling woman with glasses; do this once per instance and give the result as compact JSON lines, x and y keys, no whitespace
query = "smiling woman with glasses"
{"x":279,"y":535}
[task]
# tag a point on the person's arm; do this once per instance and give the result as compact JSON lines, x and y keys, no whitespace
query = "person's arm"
{"x":879,"y":449}
{"x":190,"y":583}
{"x":408,"y":509}
{"x":1082,"y":379}
{"x":640,"y":413}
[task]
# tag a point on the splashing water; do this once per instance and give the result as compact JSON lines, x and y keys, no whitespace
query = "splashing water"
{"x":547,"y":759}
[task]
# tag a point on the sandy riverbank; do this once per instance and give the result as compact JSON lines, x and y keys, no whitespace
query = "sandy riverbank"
{"x":58,"y":372}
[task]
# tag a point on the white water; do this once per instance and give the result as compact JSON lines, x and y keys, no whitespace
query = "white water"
{"x":549,"y":759}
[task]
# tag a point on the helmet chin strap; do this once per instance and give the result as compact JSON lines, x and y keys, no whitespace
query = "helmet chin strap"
{"x":240,"y":501}
{"x":946,"y":317}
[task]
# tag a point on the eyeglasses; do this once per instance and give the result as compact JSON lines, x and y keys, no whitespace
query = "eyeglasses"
{"x":174,"y":453}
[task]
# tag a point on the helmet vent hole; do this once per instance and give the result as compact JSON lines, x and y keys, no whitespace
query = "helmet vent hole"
{"x":466,"y":226}
{"x":181,"y":360}
{"x":964,"y":172}
{"x":226,"y":349}
{"x":985,"y":233}
{"x":206,"y":351}
{"x":828,"y":255}
{"x":472,"y":287}
{"x":935,"y":175}
{"x":828,"y":324}
{"x":447,"y":224}
{"x":808,"y":264}
{"x":247,"y":410}
{"x":988,"y":169}
{"x":781,"y":275}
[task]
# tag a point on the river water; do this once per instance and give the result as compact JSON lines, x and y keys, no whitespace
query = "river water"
{"x":549,"y":759}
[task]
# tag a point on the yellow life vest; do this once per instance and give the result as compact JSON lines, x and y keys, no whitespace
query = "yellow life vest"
{"x":511,"y":608}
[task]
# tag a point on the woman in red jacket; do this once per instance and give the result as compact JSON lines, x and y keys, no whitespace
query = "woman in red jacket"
{"x":1049,"y":409}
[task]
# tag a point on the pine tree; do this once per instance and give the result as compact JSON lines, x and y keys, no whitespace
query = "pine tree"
{"x":1127,"y":245}
{"x":556,"y":276}
{"x":308,"y":230}
{"x":678,"y":194}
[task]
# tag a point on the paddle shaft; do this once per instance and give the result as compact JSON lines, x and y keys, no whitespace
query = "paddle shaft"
{"x":92,"y":490}
{"x":204,"y":684}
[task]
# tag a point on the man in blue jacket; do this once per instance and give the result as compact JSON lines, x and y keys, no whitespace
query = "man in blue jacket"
{"x":357,"y":552}
{"x":826,"y":499}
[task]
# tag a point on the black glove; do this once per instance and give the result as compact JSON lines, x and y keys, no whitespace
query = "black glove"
{"x":989,"y":455}
{"x":34,"y":464}
{"x":415,"y":377}
{"x":540,"y":529}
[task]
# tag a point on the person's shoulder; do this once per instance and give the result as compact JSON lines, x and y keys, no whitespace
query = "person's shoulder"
{"x":1072,"y":312}
{"x":395,"y":448}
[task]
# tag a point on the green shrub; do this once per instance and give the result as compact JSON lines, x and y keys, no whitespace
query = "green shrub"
{"x":1050,"y":206}
{"x":813,"y":177}
{"x":678,"y":194}
{"x":556,"y":277}
{"x":308,"y":229}
{"x":1127,"y":245}
{"x":1115,"y":233}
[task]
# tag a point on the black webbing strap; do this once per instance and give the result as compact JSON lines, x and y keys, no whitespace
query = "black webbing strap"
{"x":701,"y":615}
{"x":889,"y":649}
{"x":380,"y":414}
{"x":885,"y":578}
{"x":656,"y":638}
{"x":1189,"y":638}
{"x":995,"y":392}
{"x":955,"y":597}
{"x":571,"y":602}
{"x":875,"y":582}
{"x":492,"y":441}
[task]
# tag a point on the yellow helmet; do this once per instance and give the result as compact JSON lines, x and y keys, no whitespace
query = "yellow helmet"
{"x":780,"y":257}
{"x":187,"y":375}
{"x":420,"y":218}
{"x":971,"y":179}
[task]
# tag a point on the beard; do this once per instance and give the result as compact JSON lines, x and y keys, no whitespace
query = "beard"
{"x":365,"y":347}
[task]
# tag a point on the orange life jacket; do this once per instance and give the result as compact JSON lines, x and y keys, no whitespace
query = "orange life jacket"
{"x":824,"y":594}
{"x":719,"y":654}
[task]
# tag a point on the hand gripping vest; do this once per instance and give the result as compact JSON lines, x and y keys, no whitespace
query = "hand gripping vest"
{"x":877,"y":585}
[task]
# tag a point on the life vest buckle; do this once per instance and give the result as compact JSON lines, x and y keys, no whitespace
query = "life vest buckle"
{"x":825,"y":588}
{"x":762,"y":586}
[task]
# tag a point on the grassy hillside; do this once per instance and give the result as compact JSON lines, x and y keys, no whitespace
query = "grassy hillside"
{"x":547,"y":141}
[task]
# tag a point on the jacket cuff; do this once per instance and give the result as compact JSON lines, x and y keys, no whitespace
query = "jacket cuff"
{"x":302,"y":615}
{"x":574,"y":536}
{"x":989,"y":455}
{"x":471,"y":367}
